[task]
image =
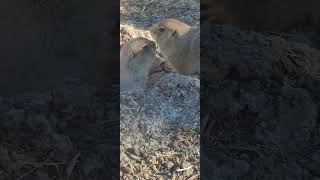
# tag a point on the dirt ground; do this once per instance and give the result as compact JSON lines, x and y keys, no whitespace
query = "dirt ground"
{"x":259,"y":104}
{"x":70,"y":130}
{"x":260,"y":95}
{"x":45,"y":137}
{"x":160,"y":128}
{"x":259,"y":101}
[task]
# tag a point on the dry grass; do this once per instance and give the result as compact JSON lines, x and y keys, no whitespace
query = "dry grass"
{"x":154,"y":143}
{"x":160,"y":130}
{"x":143,"y":13}
{"x":177,"y":158}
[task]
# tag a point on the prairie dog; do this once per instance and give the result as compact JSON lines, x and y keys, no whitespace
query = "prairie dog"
{"x":136,"y":59}
{"x":179,"y":43}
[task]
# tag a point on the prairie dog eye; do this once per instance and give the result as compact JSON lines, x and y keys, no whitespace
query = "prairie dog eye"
{"x":162,"y":29}
{"x":145,"y":46}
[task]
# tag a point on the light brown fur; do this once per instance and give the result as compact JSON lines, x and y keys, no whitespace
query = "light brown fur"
{"x":179,"y":43}
{"x":136,"y":59}
{"x":271,"y":15}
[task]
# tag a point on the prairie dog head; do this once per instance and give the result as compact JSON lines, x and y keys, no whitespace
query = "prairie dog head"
{"x":168,"y":30}
{"x":137,"y":53}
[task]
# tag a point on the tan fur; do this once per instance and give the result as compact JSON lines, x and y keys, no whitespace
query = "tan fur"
{"x":179,"y":43}
{"x":272,"y":15}
{"x":136,"y":58}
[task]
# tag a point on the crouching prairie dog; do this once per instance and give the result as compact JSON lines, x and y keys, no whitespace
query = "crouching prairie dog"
{"x":179,"y":44}
{"x":136,"y":59}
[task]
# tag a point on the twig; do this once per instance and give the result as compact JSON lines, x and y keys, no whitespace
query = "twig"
{"x":46,"y":164}
{"x":72,"y":164}
{"x":36,"y":167}
{"x":184,"y":169}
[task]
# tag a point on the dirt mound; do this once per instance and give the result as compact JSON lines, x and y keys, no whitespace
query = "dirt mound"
{"x":43,"y":136}
{"x":173,"y":98}
{"x":160,"y":129}
{"x":160,"y":125}
{"x":259,"y":106}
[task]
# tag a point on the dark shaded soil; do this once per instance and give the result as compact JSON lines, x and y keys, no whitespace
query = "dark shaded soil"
{"x":70,"y":132}
{"x":259,"y":106}
{"x":51,"y":136}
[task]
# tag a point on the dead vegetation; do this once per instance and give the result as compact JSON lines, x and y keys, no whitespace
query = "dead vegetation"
{"x":159,"y":127}
{"x":259,"y":105}
{"x":144,"y":13}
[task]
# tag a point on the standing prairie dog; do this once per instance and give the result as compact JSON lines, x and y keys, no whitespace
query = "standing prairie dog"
{"x":136,"y":59}
{"x":179,"y":43}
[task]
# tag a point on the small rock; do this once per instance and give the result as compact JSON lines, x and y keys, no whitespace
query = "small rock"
{"x":125,"y":170}
{"x":186,"y":165}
